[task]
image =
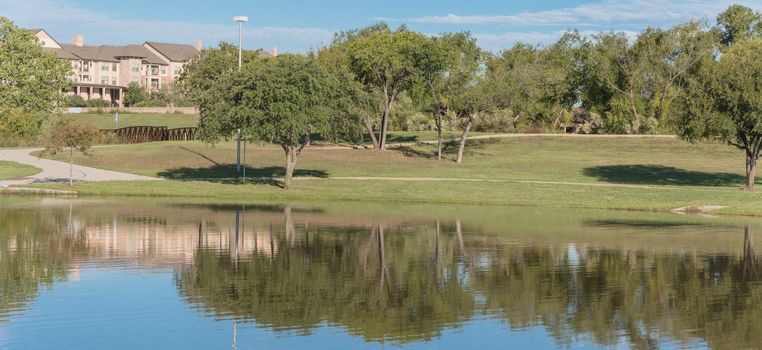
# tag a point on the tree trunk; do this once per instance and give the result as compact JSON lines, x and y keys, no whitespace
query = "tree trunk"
{"x":369,"y":126}
{"x":463,"y":138}
{"x":555,"y":122}
{"x":384,"y":125}
{"x":438,"y":122}
{"x":71,"y":167}
{"x":751,"y":171}
{"x":291,"y":157}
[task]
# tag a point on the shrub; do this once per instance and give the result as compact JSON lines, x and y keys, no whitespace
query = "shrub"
{"x":98,"y":103}
{"x":75,"y":101}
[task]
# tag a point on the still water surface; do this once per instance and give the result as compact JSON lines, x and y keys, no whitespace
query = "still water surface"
{"x":126,"y":275}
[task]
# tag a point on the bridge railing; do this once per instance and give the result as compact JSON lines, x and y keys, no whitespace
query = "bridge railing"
{"x":140,"y":134}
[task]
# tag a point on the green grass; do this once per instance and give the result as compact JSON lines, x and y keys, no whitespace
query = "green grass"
{"x":591,"y":172}
{"x":514,"y":194}
{"x":170,"y":120}
{"x":647,"y":161}
{"x":12,"y":170}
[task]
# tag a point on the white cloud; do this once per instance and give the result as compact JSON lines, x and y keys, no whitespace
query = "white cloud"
{"x":62,"y":20}
{"x":497,"y":42}
{"x":605,"y":12}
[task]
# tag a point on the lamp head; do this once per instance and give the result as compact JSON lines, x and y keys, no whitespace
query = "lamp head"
{"x":240,"y":19}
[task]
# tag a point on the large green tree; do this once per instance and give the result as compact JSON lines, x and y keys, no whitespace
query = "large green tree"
{"x":632,"y":84}
{"x":722,"y":102}
{"x":446,"y":68}
{"x":385,"y":61}
{"x":31,"y":82}
{"x":288,"y":99}
{"x":205,"y":81}
{"x":480,"y":95}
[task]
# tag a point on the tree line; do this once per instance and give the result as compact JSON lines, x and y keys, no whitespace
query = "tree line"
{"x":696,"y":79}
{"x":693,"y":79}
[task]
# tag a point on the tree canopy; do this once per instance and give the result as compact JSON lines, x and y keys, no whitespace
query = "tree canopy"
{"x":723,"y":103}
{"x":31,"y":81}
{"x":288,"y":99}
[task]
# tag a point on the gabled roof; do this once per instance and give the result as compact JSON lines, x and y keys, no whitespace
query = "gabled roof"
{"x":174,"y":52}
{"x":35,"y":30}
{"x":61,"y":53}
{"x":109,"y":53}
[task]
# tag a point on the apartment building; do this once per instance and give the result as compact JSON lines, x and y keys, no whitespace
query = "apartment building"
{"x":104,"y":71}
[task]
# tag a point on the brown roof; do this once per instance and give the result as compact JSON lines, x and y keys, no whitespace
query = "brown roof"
{"x":175,"y":52}
{"x":61,"y":53}
{"x":35,"y":30}
{"x":110,"y":53}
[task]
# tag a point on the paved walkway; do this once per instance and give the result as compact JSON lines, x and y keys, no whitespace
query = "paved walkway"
{"x":55,"y":171}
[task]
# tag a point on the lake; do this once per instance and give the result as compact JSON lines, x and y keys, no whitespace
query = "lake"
{"x":127,"y":274}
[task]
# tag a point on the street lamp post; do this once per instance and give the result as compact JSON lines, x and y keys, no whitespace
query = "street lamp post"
{"x":241,"y":20}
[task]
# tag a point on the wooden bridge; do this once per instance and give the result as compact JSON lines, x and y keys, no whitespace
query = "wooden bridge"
{"x":140,"y":134}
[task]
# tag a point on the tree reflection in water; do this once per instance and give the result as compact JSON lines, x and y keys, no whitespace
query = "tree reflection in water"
{"x":409,"y":280}
{"x":429,"y":278}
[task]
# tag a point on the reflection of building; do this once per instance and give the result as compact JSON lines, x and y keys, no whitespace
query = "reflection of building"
{"x":161,"y":245}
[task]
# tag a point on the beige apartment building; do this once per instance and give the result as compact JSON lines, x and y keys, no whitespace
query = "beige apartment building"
{"x":104,"y":71}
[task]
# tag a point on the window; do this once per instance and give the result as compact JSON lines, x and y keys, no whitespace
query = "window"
{"x":113,"y":67}
{"x":104,"y":67}
{"x":104,"y":80}
{"x":154,"y":70}
{"x":154,"y":83}
{"x":86,"y":78}
{"x":135,"y":67}
{"x":178,"y":70}
{"x":113,"y":81}
{"x":163,"y":70}
{"x":86,"y":66}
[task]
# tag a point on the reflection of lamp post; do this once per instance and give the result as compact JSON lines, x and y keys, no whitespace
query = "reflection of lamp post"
{"x":241,"y":20}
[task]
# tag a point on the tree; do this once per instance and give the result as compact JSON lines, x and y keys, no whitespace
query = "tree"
{"x":288,"y":99}
{"x":633,"y":85}
{"x":31,"y":82}
{"x":134,"y":94}
{"x":386,"y":61}
{"x":447,"y":65}
{"x":71,"y":135}
{"x":722,"y":103}
{"x":479,"y":96}
{"x":738,"y":22}
{"x":206,"y":81}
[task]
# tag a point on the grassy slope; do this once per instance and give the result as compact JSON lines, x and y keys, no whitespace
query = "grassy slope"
{"x":651,"y":161}
{"x":677,"y":174}
{"x":13,"y":170}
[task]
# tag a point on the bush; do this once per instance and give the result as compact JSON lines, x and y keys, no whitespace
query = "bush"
{"x":134,"y":95}
{"x":98,"y":103}
{"x":75,"y":101}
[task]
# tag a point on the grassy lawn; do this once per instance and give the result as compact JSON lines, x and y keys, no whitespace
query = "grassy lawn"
{"x":675,"y":173}
{"x":13,"y":170}
{"x":515,"y":194}
{"x":647,"y":161}
{"x":170,"y":120}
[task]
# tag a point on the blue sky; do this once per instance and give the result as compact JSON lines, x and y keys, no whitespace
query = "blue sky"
{"x":300,"y":25}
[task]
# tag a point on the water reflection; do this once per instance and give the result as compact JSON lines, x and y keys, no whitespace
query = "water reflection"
{"x":408,"y":279}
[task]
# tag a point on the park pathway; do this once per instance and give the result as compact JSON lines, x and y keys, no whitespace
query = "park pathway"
{"x":55,"y":171}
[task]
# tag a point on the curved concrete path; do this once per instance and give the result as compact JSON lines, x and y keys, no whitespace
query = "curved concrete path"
{"x":55,"y":171}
